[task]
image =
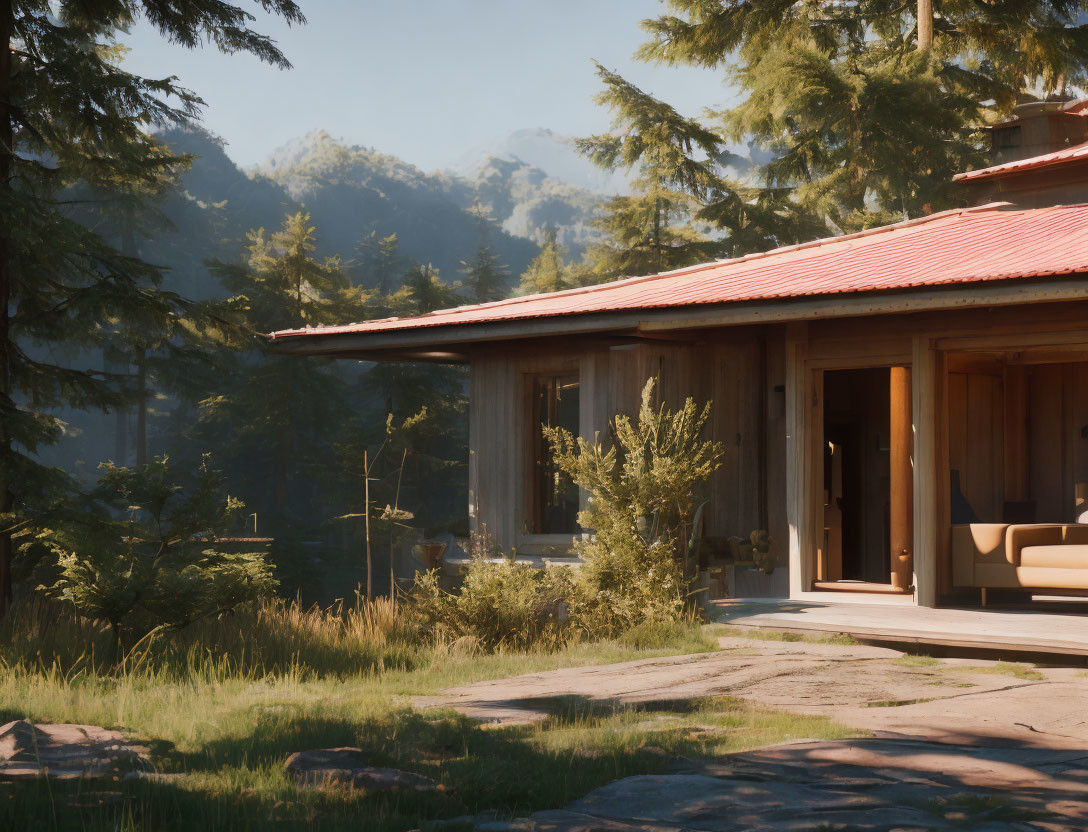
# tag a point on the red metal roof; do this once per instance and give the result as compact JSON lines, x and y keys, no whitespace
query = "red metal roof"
{"x":972,"y":245}
{"x":1065,"y":156}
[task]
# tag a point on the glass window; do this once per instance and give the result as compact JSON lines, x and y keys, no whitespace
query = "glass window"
{"x":554,"y":498}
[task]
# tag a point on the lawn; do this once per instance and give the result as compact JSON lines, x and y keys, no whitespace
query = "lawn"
{"x":221,"y":721}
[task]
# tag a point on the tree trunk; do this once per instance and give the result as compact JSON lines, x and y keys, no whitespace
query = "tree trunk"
{"x":141,"y":409}
{"x":7,"y":141}
{"x":925,"y":24}
{"x":366,"y":518}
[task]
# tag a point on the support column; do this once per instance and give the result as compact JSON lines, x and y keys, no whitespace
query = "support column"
{"x":901,"y":541}
{"x":925,"y":415}
{"x":798,"y":499}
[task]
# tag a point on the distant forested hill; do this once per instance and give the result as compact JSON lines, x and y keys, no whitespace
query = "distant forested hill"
{"x":352,"y":191}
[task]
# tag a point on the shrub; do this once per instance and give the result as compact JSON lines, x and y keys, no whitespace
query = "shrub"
{"x":641,"y":508}
{"x":502,"y":604}
{"x":143,"y":556}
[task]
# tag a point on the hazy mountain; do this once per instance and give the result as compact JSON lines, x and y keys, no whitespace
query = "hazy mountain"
{"x":551,"y":152}
{"x":350,"y":191}
{"x":525,"y":201}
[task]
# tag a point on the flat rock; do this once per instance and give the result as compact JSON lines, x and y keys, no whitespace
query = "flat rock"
{"x":65,"y":751}
{"x":347,"y":766}
{"x":875,"y":784}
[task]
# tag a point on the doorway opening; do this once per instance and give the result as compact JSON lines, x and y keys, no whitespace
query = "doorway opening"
{"x":867,"y":526}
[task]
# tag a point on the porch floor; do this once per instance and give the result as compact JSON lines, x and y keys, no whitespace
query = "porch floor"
{"x":1036,"y":630}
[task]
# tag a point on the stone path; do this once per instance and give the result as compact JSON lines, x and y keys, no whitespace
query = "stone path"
{"x":953,"y":744}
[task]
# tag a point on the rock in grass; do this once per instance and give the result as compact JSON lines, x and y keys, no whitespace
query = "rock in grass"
{"x":29,"y":750}
{"x":347,"y":766}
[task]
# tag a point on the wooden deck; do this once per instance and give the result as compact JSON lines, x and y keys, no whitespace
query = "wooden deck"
{"x":1057,"y":630}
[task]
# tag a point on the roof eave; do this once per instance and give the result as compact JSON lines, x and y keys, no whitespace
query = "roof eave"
{"x":450,"y":343}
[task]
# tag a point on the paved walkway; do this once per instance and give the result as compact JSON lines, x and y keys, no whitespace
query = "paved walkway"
{"x":953,"y":744}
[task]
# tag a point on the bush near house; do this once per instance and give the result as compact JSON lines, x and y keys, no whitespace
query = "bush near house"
{"x":643,"y":498}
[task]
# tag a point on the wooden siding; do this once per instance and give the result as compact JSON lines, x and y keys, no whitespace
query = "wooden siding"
{"x":1015,"y":427}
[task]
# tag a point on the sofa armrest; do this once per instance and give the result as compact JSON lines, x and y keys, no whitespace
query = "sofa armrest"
{"x":975,"y":543}
{"x":1020,"y":536}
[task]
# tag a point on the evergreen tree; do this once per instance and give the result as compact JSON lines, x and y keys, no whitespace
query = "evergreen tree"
{"x":484,"y":276}
{"x":674,"y":157}
{"x":378,"y":263}
{"x":423,"y":291}
{"x":272,"y":417}
{"x":868,"y":108}
{"x":70,"y":114}
{"x":548,"y":272}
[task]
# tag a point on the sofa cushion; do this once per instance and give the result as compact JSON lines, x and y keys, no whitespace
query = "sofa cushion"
{"x":1034,"y":534}
{"x":1038,"y":577}
{"x":1064,"y":556}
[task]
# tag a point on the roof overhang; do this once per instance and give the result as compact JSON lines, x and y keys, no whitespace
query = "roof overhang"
{"x":452,"y":343}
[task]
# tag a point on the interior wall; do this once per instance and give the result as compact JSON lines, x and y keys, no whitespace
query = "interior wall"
{"x":1018,"y":433}
{"x":976,"y":439}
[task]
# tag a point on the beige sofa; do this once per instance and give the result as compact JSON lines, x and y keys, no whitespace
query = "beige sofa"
{"x":1037,"y":556}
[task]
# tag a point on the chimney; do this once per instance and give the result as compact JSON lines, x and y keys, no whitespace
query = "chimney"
{"x":1036,"y":128}
{"x":1039,"y":158}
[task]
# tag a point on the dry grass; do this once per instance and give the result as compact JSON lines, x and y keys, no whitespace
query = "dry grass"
{"x":223,"y":703}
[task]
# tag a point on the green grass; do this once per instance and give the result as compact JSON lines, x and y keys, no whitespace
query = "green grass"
{"x":894,"y":703}
{"x":912,"y":660}
{"x":1017,"y":671}
{"x":222,"y":710}
{"x":720,"y":630}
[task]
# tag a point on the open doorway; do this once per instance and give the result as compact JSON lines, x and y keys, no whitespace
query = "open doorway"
{"x":867,"y":481}
{"x":1018,"y":477}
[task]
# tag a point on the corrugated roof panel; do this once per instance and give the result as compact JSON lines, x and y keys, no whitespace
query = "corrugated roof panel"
{"x":972,"y":245}
{"x":1067,"y":155}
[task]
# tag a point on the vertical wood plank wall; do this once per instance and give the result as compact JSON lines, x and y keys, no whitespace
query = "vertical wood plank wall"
{"x":743,"y":376}
{"x":1017,"y":434}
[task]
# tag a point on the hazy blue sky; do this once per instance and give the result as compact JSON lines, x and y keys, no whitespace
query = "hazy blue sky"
{"x":425,"y":80}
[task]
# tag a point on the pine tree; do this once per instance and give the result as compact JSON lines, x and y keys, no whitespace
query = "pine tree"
{"x":484,"y":276}
{"x":867,"y":108}
{"x":548,"y":272}
{"x":271,"y":417}
{"x":652,"y":230}
{"x":70,"y":114}
{"x":378,"y":262}
{"x":423,"y":291}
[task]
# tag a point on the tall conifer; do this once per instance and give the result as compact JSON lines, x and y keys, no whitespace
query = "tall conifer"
{"x":69,"y":113}
{"x":673,"y":158}
{"x":548,"y":272}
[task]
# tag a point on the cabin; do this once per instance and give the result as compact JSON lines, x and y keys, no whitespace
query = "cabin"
{"x":905,"y":409}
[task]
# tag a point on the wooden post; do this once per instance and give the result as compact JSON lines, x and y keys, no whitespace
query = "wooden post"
{"x":798,"y":506}
{"x":925,"y":417}
{"x":902,"y":479}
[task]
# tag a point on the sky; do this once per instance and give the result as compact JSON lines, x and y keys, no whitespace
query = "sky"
{"x":425,"y":80}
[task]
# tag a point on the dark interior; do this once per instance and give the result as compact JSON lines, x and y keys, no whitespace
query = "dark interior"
{"x":857,"y":471}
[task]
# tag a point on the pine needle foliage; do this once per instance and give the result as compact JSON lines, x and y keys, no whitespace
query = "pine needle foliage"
{"x":672,"y":158}
{"x":72,"y":116}
{"x":146,"y":557}
{"x":861,"y":121}
{"x":269,"y":414}
{"x":549,"y":271}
